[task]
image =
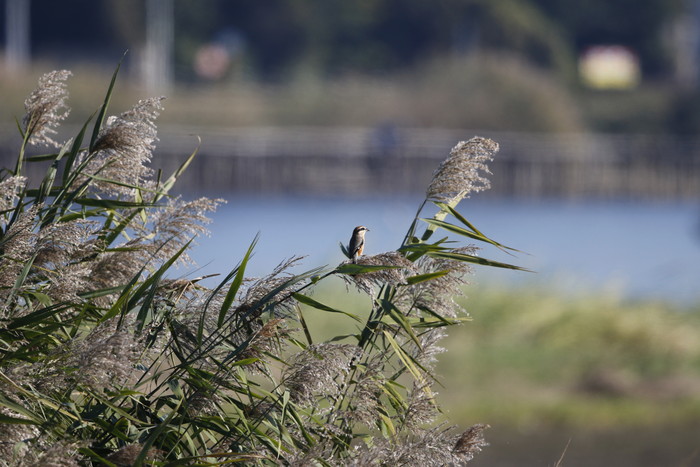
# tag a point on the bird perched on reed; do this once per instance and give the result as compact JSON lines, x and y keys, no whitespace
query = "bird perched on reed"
{"x":357,"y":242}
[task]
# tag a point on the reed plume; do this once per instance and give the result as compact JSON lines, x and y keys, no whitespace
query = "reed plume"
{"x":45,"y":109}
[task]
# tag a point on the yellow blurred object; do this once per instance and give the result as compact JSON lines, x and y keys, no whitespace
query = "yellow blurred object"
{"x":609,"y":67}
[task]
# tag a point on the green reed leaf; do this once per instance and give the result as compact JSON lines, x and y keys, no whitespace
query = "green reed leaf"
{"x":351,"y":268}
{"x":473,"y":259}
{"x":103,"y":109}
{"x":237,"y":281}
{"x":306,"y":300}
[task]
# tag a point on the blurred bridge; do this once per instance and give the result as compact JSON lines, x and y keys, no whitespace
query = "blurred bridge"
{"x":355,"y":161}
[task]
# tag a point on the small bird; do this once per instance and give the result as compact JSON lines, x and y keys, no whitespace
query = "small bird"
{"x":357,"y":242}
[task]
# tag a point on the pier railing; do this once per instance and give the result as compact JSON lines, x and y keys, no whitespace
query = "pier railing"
{"x":365,"y":160}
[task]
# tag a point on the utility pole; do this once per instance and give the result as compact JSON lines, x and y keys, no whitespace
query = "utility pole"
{"x":16,"y":35}
{"x":157,"y":58}
{"x":684,"y":35}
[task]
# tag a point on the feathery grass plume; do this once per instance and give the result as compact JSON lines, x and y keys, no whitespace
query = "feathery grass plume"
{"x":181,"y":297}
{"x":100,"y":359}
{"x":45,"y":108}
{"x":67,"y":282}
{"x":123,"y":150}
{"x":171,"y":291}
{"x":199,"y":307}
{"x":18,"y":246}
{"x":176,"y":222}
{"x":105,"y":357}
{"x":15,"y":438}
{"x":8,"y":193}
{"x":126,"y":456}
{"x":195,"y":302}
{"x":318,"y":454}
{"x":205,"y":401}
{"x":425,"y":447}
{"x":244,"y":327}
{"x":438,"y":294}
{"x":470,"y":442}
{"x":171,"y":225}
{"x":61,"y":253}
{"x":315,"y":372}
{"x":114,"y":268}
{"x":461,"y":173}
{"x":61,"y":243}
{"x":366,"y":397}
{"x":59,"y":454}
{"x":281,"y":304}
{"x":399,"y":268}
{"x":426,"y":354}
{"x":421,"y":408}
{"x":266,"y":339}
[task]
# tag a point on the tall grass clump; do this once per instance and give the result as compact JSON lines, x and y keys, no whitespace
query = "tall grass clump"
{"x":107,"y":360}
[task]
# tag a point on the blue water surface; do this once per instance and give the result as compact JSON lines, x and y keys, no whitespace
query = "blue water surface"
{"x":642,"y":250}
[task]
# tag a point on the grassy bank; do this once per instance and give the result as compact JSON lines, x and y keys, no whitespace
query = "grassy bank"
{"x":530,"y":357}
{"x":486,"y":92}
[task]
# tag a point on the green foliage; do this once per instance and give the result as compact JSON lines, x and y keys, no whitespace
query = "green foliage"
{"x":107,"y":360}
{"x":585,"y":360}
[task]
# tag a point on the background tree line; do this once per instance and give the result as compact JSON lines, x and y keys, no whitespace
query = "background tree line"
{"x":376,"y":36}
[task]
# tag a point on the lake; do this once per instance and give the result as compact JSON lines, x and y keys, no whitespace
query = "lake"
{"x":641,"y":250}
